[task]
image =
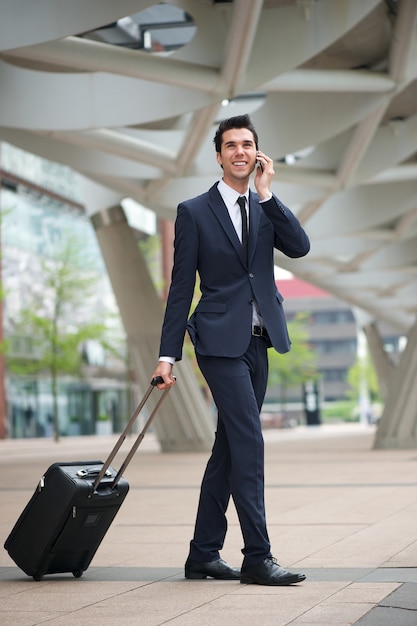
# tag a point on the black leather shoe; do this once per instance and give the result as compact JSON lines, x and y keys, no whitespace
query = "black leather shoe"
{"x":268,"y":572}
{"x":215,"y":569}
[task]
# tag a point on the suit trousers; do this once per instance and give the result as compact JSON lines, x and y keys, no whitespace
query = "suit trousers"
{"x":236,"y":465}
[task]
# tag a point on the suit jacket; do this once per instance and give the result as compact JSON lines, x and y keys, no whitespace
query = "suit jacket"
{"x":206,"y":242}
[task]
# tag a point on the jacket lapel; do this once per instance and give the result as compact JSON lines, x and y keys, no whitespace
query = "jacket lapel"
{"x":219,"y":208}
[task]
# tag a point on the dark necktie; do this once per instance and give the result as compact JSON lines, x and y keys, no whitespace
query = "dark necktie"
{"x":242,"y":203}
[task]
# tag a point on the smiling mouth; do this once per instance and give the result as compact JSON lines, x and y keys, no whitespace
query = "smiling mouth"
{"x":240,"y":163}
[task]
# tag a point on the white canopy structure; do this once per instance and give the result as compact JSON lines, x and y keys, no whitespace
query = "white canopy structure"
{"x":129,"y":93}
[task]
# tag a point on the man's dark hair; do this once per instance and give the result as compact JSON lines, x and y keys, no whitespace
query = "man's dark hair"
{"x":239,"y":121}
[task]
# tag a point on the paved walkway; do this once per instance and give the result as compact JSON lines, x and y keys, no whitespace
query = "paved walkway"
{"x":341,"y":512}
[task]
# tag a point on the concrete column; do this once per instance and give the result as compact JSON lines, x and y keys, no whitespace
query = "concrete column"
{"x":380,"y":358}
{"x":398,"y":425}
{"x":184,"y":422}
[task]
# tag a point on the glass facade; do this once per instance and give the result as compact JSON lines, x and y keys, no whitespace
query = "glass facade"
{"x":40,"y":210}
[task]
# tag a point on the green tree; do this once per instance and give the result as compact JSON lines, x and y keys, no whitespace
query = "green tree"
{"x":150,"y":248}
{"x":55,"y":318}
{"x":362,"y":374}
{"x":296,"y":366}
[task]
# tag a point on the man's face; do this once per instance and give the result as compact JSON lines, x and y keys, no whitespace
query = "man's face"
{"x":237,"y":155}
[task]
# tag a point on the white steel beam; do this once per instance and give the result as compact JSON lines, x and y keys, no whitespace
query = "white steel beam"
{"x":93,"y":56}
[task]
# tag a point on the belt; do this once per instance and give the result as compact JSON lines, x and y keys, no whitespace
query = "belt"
{"x":259,"y":331}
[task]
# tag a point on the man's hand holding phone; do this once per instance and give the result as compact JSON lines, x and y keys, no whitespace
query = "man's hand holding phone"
{"x":264,"y":174}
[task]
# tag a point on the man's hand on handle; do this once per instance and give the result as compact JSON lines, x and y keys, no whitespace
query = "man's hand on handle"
{"x":164,"y":370}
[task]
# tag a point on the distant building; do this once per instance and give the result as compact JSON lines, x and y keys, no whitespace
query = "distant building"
{"x":332,"y":333}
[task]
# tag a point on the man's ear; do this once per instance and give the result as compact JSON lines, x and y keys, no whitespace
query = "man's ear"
{"x":219,"y":159}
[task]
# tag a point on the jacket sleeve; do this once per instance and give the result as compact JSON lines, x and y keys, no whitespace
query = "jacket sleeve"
{"x":290,"y":237}
{"x":182,"y":284}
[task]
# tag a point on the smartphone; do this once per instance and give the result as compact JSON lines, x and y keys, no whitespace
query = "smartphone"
{"x":260,"y":165}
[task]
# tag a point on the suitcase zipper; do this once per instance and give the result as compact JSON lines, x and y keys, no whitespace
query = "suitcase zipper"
{"x":74,"y":512}
{"x":41,"y":483}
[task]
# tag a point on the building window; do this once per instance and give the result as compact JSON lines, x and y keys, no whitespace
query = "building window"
{"x":334,"y":375}
{"x":332,"y":346}
{"x":344,"y":316}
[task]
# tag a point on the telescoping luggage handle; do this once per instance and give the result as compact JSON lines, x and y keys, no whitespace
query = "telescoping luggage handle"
{"x":154,"y":382}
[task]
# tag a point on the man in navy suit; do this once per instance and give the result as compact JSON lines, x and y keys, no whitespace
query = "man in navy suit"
{"x":239,"y":316}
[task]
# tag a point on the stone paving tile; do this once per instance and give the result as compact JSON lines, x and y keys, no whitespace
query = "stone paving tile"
{"x":399,"y":574}
{"x":27,"y":618}
{"x":150,"y":605}
{"x":404,"y":597}
{"x":334,"y":614}
{"x":404,"y":558}
{"x":365,"y":592}
{"x":379,"y":616}
{"x":275,"y":607}
{"x":57,"y":593}
{"x":369,"y":546}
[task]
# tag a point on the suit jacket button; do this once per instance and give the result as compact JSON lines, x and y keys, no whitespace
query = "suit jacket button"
{"x":251,"y":276}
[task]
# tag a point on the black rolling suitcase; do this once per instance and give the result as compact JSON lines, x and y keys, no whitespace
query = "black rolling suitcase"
{"x":74,"y":504}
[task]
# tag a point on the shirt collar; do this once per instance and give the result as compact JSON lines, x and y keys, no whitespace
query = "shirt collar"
{"x":230,"y":194}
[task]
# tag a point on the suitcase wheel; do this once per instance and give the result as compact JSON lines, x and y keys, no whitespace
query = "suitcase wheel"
{"x":77,"y":574}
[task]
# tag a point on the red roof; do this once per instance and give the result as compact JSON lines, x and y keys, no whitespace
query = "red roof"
{"x":297,"y":288}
